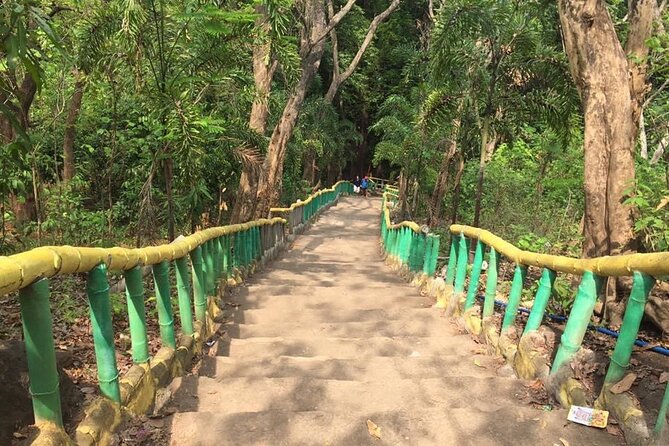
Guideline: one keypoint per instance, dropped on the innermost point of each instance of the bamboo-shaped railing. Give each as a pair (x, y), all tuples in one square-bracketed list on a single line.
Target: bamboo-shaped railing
[(644, 269), (405, 243), (400, 240), (198, 261), (301, 212)]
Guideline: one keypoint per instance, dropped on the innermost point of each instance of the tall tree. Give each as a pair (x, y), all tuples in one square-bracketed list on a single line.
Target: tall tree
[(339, 77), (314, 31), (264, 66), (611, 80)]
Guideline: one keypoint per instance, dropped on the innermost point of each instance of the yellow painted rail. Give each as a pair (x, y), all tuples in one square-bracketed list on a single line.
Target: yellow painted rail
[(653, 264), (20, 270), (312, 197), (389, 197)]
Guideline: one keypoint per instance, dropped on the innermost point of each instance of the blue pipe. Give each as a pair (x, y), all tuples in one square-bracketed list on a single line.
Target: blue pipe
[(606, 331)]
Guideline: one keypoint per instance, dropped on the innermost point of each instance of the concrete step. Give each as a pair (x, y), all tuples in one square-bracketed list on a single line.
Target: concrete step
[(331, 313), (353, 282), (506, 426), (316, 272), (342, 348), (353, 369), (379, 328), (322, 298), (230, 395)]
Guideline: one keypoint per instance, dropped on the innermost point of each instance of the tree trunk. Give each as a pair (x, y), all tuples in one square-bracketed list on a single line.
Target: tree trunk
[(612, 85), (337, 78), (269, 186), (169, 179), (311, 52), (441, 185), (263, 73), (309, 172), (485, 143), (457, 188), (610, 129), (71, 127)]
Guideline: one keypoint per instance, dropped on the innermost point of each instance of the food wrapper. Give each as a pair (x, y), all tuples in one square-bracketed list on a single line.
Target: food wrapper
[(588, 416)]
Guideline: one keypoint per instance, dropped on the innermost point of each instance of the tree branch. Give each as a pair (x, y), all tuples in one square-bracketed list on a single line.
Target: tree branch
[(334, 21), (371, 32)]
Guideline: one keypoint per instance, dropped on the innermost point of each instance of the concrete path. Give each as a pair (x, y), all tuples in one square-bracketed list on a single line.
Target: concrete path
[(329, 337)]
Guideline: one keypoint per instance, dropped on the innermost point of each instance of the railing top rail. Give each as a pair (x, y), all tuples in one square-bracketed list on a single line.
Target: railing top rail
[(308, 200), (415, 227), (383, 180), (20, 270), (653, 264)]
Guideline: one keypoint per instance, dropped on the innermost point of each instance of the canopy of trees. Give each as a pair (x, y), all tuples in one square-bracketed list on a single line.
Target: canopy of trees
[(131, 121)]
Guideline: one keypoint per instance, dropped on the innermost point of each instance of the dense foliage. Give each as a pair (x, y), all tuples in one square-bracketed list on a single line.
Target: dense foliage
[(160, 133)]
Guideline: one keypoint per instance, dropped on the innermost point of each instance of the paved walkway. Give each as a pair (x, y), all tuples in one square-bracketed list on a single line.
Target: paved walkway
[(329, 337)]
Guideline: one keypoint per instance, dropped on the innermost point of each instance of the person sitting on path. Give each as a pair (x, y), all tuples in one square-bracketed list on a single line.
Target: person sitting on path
[(364, 184)]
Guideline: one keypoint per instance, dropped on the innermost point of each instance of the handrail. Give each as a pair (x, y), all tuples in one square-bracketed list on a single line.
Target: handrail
[(653, 264), (406, 244), (415, 227), (301, 203), (645, 269), (201, 261), (302, 211), (529, 362), (20, 270)]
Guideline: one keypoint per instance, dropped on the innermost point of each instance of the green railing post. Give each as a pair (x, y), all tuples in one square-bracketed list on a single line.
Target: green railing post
[(452, 259), (541, 300), (430, 240), (461, 269), (226, 256), (163, 304), (491, 283), (475, 275), (216, 244), (579, 318), (235, 250), (199, 294), (392, 243), (183, 293), (97, 288), (514, 297), (421, 249), (40, 353), (134, 292), (634, 311), (662, 414), (209, 267)]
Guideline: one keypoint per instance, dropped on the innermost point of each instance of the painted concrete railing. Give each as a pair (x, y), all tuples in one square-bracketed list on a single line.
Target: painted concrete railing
[(301, 212), (415, 253), (405, 244), (201, 263), (644, 269)]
